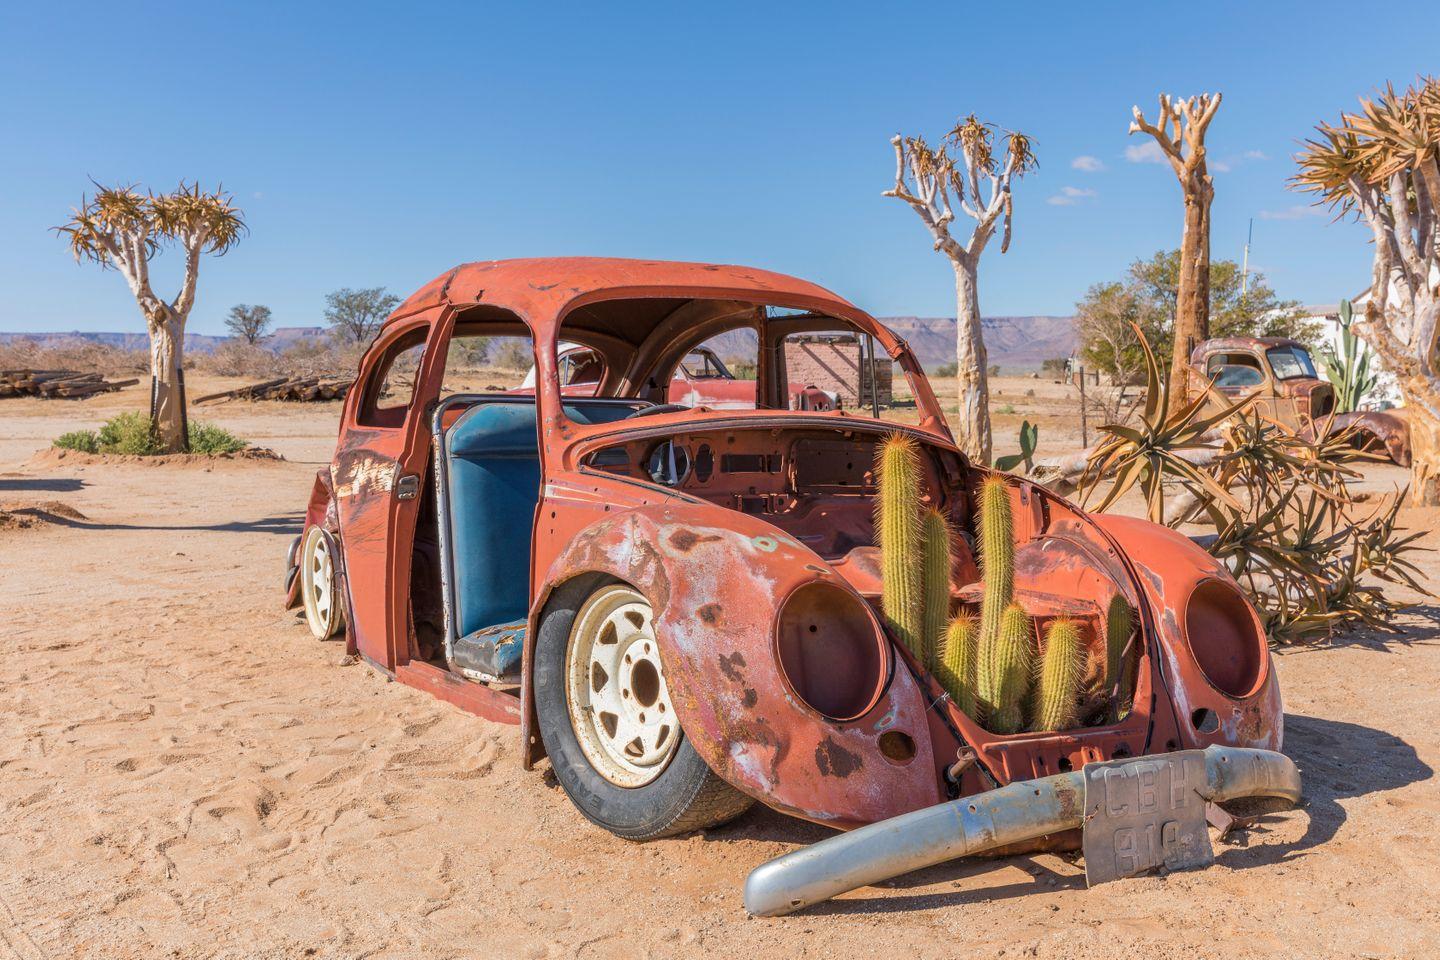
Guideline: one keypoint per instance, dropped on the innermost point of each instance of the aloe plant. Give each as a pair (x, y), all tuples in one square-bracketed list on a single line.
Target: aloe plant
[(1349, 369)]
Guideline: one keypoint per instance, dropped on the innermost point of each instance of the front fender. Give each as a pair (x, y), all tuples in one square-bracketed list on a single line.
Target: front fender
[(1171, 566), (716, 580)]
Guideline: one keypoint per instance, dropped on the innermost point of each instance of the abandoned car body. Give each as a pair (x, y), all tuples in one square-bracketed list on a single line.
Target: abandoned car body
[(1280, 374), (678, 606)]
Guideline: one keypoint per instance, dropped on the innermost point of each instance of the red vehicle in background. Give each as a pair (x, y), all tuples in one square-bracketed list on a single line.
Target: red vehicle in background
[(700, 380)]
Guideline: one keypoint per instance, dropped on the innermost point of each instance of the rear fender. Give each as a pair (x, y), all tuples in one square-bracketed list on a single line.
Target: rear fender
[(1171, 567), (716, 579)]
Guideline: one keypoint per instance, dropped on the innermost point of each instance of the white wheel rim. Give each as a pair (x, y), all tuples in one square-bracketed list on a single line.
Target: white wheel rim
[(615, 689), (317, 584)]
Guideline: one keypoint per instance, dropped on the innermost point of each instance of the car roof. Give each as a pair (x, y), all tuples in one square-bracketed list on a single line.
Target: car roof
[(543, 288), (1221, 344)]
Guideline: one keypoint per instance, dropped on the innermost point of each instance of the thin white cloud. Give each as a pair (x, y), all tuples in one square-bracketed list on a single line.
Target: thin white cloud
[(1297, 212), (1255, 155), (1087, 164), (1220, 166), (1069, 196), (1147, 152)]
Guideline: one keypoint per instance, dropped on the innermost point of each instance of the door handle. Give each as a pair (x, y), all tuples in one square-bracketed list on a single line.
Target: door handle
[(407, 487)]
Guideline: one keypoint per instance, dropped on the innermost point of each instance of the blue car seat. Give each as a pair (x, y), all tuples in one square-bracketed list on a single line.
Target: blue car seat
[(491, 460)]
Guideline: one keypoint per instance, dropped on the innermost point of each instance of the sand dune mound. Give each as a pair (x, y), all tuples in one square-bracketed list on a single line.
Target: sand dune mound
[(55, 456), (19, 515)]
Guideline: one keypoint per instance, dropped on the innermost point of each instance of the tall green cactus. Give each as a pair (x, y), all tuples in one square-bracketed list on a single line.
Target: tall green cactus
[(1349, 370), (1057, 694), (997, 569), (897, 518), (1005, 678), (935, 585), (1120, 656), (958, 655)]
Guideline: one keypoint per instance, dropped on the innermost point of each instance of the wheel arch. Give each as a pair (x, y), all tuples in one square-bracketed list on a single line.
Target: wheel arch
[(1172, 570), (716, 580)]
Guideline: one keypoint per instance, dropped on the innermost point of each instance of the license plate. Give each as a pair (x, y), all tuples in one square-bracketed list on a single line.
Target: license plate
[(1145, 814)]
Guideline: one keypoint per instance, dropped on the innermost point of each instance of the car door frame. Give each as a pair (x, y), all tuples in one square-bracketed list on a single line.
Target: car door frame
[(371, 474)]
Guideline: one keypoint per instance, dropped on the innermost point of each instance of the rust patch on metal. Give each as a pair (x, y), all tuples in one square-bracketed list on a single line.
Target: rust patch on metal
[(730, 666), (833, 760), (712, 614), (685, 540)]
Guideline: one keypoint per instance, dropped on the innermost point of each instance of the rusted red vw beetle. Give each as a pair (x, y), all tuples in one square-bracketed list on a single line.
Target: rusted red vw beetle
[(678, 605)]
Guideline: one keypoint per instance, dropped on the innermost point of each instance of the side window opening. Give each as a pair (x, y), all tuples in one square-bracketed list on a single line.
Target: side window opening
[(480, 362), (390, 386), (1234, 370)]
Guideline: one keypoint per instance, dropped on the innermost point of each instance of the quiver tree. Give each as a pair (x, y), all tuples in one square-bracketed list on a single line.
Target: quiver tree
[(247, 322), (936, 181), (122, 229), (1383, 165), (1180, 132)]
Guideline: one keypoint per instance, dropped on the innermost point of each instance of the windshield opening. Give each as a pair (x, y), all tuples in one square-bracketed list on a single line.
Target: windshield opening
[(1290, 362)]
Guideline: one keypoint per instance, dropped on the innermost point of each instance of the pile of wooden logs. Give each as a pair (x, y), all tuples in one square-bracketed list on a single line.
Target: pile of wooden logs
[(286, 388), (56, 383)]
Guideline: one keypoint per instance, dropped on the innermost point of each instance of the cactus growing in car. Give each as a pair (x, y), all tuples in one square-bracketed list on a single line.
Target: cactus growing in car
[(1058, 687), (957, 670), (1119, 656), (1005, 672), (997, 570), (935, 585), (897, 521)]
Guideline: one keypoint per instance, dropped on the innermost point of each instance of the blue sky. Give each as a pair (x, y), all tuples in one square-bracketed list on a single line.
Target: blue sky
[(380, 144)]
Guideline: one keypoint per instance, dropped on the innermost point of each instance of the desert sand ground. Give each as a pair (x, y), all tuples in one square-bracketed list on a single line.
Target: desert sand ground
[(185, 773)]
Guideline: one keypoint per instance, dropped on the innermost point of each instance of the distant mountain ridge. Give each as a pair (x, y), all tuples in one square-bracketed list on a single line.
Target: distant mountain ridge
[(279, 339), (1015, 344)]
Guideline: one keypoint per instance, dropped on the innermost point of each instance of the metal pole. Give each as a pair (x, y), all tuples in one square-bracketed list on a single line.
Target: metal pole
[(874, 390), (1245, 266), (1084, 419)]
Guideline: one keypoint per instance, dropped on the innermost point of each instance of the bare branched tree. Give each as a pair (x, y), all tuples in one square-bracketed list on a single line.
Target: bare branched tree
[(121, 228), (1180, 132), (1383, 165), (248, 323), (934, 182), (356, 315)]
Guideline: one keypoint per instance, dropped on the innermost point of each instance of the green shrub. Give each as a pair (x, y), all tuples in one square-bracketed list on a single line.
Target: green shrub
[(210, 440), (134, 434), (130, 433), (86, 441)]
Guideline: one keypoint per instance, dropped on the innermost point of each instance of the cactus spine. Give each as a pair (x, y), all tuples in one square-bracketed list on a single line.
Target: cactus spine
[(935, 585), (958, 662), (997, 567), (1119, 656), (1058, 692), (1003, 691), (897, 517)]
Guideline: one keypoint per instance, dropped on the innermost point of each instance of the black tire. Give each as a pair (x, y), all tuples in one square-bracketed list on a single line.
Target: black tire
[(687, 796)]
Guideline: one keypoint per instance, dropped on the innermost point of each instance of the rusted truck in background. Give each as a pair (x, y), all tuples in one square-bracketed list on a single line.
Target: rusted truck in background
[(1280, 374), (678, 605)]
